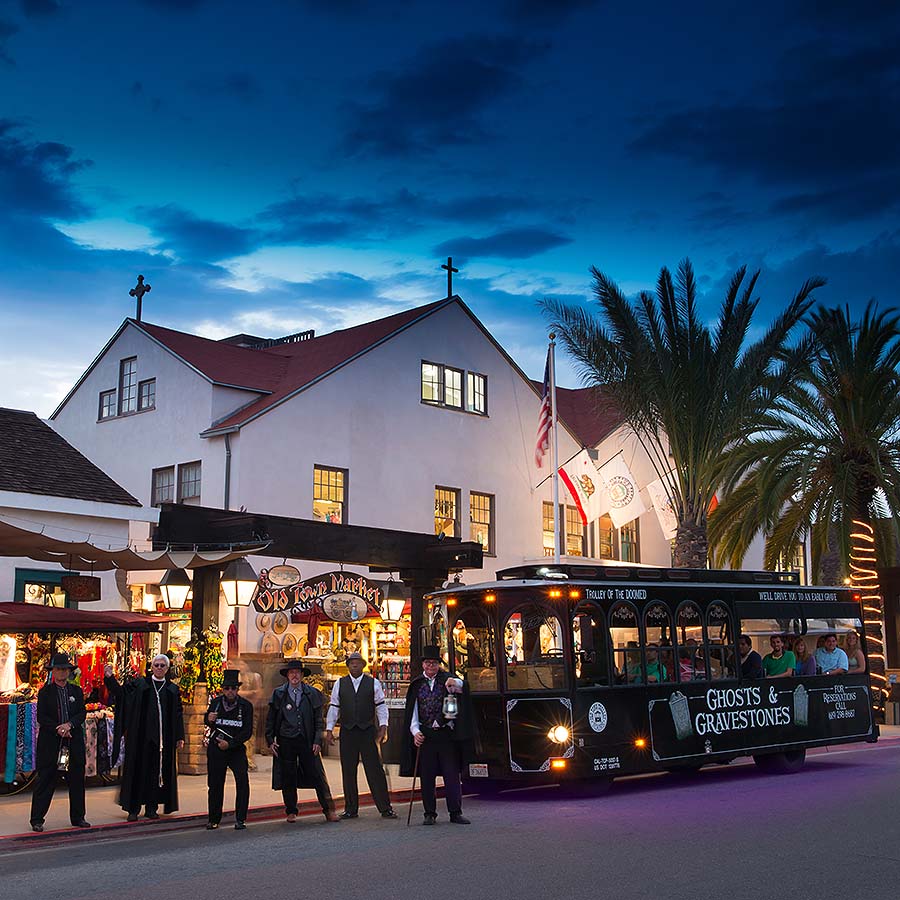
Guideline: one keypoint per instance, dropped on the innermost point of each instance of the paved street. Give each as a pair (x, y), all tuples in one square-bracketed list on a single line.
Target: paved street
[(830, 831)]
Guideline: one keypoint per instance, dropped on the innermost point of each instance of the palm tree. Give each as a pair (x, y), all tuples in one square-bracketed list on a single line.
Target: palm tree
[(826, 463), (686, 391)]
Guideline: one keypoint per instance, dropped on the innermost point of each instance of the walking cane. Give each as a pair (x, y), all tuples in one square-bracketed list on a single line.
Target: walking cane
[(412, 795)]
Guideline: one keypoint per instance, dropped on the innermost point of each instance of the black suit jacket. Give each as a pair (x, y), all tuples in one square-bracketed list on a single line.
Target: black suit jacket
[(48, 741)]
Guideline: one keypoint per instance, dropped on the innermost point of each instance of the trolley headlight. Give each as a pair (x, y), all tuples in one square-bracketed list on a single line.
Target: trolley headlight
[(559, 734)]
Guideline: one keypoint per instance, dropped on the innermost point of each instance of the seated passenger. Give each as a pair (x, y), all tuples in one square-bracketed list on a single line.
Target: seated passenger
[(780, 662), (751, 661), (806, 662), (656, 671), (830, 659), (856, 659), (685, 664)]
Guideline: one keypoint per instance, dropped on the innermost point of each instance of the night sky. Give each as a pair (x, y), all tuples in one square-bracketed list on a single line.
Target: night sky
[(281, 165)]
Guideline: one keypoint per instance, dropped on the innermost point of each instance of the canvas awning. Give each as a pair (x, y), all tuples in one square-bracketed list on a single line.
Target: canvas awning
[(81, 551), (23, 618)]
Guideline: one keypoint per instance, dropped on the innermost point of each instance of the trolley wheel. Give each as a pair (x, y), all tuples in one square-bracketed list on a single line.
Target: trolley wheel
[(781, 763), (22, 782)]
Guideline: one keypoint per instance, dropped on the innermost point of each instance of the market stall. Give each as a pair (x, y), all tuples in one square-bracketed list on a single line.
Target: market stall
[(29, 634)]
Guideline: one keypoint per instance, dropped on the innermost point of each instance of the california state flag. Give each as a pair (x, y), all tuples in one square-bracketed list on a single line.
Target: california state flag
[(580, 477), (620, 491)]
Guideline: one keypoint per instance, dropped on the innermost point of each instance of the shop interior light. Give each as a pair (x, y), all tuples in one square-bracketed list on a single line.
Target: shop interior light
[(559, 734), (394, 601), (175, 587), (239, 581)]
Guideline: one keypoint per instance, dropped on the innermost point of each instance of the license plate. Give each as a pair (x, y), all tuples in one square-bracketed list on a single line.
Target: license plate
[(478, 770)]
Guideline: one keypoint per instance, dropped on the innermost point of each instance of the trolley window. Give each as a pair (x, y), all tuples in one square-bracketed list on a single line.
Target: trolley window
[(659, 656), (625, 637), (589, 641), (533, 638), (689, 640), (719, 642), (473, 650)]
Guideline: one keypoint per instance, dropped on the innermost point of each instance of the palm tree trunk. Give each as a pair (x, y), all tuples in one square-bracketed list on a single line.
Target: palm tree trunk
[(691, 546), (864, 578)]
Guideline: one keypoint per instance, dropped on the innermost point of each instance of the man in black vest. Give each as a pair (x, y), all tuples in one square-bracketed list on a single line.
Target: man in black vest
[(230, 720), (61, 715), (358, 699), (294, 733)]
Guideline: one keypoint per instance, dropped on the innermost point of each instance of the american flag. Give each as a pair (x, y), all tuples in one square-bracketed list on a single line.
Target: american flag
[(542, 446)]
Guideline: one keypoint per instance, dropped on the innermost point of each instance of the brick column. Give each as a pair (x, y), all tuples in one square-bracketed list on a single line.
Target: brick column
[(192, 760)]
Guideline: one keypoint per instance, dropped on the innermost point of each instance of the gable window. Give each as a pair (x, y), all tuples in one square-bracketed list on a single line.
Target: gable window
[(481, 521), (128, 385), (432, 379), (446, 511), (163, 486), (147, 394), (189, 482), (107, 404), (476, 393), (453, 387), (329, 494)]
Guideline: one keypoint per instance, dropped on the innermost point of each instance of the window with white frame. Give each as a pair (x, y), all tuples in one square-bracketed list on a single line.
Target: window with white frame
[(481, 521), (147, 394), (128, 386), (163, 486), (572, 539), (446, 511), (107, 405), (329, 494), (453, 388), (476, 393), (189, 482)]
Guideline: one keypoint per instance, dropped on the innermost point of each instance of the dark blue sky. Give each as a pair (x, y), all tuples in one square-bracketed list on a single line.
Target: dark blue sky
[(288, 164)]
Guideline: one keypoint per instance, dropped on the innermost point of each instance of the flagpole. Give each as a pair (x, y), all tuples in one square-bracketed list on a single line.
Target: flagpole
[(554, 449)]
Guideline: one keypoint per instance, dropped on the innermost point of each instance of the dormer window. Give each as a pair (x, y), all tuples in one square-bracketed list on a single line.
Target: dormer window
[(454, 388)]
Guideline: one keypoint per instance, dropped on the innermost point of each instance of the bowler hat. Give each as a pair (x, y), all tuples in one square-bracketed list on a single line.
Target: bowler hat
[(59, 661), (431, 651), (295, 664), (356, 655), (231, 678)]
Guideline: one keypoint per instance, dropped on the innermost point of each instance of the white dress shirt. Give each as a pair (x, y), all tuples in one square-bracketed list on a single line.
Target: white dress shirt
[(381, 710), (414, 727)]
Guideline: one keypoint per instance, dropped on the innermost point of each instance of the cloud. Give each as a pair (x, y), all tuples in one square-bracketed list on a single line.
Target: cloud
[(437, 99), (516, 243), (191, 238), (138, 93)]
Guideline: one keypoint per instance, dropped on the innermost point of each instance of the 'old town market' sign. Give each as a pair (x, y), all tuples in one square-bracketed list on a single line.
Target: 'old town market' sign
[(342, 596)]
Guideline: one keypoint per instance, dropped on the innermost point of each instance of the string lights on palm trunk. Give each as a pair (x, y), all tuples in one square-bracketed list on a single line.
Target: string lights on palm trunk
[(864, 577)]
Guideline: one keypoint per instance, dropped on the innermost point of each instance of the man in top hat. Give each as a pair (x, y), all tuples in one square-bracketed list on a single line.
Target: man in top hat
[(438, 743), (358, 700), (230, 720), (61, 715), (150, 716), (294, 732)]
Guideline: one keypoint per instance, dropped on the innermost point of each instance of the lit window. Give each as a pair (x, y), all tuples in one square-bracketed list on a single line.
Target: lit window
[(481, 520), (147, 394), (107, 404), (476, 393), (446, 511), (128, 385), (163, 486), (629, 543), (574, 533), (606, 532), (453, 387), (329, 494), (189, 482), (431, 382)]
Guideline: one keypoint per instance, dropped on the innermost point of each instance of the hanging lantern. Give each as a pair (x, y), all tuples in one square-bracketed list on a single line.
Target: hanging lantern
[(175, 587), (394, 601), (239, 582)]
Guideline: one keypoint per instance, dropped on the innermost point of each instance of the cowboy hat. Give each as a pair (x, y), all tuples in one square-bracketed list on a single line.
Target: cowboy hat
[(59, 661), (295, 664)]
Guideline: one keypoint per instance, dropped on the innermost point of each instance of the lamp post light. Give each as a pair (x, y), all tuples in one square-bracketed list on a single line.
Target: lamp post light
[(394, 601), (239, 582), (175, 587)]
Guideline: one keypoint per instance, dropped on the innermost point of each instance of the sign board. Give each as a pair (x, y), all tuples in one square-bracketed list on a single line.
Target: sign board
[(282, 576), (342, 596), (81, 588)]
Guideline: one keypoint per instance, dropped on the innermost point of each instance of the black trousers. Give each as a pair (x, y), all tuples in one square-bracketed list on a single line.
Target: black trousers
[(439, 755), (356, 743), (46, 785), (218, 762), (290, 752)]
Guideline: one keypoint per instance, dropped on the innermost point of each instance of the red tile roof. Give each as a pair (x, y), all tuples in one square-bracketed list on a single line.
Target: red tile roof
[(587, 411), (284, 369)]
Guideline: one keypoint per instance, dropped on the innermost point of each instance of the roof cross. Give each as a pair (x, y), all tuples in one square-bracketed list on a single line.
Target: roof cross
[(450, 271), (138, 292)]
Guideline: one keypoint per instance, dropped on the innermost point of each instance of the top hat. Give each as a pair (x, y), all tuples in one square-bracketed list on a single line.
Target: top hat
[(431, 651), (59, 661), (231, 678), (295, 664), (355, 655)]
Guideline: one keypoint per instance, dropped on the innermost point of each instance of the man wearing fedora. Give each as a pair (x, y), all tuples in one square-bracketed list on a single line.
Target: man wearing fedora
[(358, 700), (294, 733), (230, 720), (439, 744), (60, 743)]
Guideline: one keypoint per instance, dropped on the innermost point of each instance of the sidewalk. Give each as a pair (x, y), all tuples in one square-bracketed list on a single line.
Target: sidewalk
[(264, 802)]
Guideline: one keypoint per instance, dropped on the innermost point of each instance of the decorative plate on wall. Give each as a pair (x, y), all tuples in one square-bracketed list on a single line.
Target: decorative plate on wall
[(263, 621), (288, 645), (280, 623), (270, 644)]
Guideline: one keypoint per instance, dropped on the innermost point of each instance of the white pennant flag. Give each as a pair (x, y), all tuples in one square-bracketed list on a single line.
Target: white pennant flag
[(665, 510), (621, 492), (580, 476)]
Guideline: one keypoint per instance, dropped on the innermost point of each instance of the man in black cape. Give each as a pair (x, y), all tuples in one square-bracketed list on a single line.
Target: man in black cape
[(60, 715), (295, 732), (443, 745), (150, 717)]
